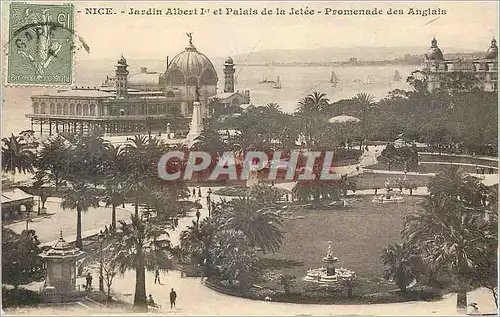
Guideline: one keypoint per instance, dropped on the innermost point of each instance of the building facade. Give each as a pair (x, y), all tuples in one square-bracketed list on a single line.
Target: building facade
[(127, 104), (485, 69)]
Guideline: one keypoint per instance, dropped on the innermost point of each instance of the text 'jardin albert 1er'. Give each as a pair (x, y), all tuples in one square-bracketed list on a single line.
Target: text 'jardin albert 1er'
[(249, 11)]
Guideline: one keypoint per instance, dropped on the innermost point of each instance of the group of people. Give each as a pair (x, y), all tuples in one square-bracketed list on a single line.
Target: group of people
[(173, 298)]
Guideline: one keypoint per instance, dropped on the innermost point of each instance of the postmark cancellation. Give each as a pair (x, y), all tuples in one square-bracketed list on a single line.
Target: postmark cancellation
[(40, 46)]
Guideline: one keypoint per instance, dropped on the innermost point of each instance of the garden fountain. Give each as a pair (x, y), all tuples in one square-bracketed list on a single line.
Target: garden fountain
[(391, 196), (328, 274)]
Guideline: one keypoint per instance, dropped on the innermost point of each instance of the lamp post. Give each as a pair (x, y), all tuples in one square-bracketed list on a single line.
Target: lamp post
[(100, 237)]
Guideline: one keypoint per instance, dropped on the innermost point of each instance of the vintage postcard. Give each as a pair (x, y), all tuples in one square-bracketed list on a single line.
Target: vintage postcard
[(249, 158)]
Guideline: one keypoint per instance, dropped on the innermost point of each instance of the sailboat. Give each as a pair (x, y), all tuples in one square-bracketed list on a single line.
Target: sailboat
[(334, 79), (396, 76), (368, 81), (277, 83), (266, 81)]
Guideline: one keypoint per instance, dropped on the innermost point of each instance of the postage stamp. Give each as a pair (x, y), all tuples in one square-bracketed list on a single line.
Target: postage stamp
[(40, 44)]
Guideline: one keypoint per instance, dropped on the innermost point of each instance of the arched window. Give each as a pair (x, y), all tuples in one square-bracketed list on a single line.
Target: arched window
[(59, 108), (235, 102), (52, 108), (79, 110), (122, 112), (72, 109), (176, 78), (43, 108), (85, 110), (65, 108), (36, 108), (92, 110), (208, 78), (170, 94)]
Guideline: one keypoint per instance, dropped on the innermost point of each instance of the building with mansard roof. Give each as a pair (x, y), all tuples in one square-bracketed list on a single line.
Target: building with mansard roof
[(436, 68)]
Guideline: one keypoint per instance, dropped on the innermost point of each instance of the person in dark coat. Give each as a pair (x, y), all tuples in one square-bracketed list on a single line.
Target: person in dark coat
[(88, 279), (194, 192), (157, 276), (173, 297), (198, 215)]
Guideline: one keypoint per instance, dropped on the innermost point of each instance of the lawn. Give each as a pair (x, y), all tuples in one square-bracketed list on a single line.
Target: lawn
[(424, 157), (358, 236), (369, 180)]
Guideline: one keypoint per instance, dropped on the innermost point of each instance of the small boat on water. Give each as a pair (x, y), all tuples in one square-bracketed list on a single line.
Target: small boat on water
[(266, 81), (277, 83), (368, 81), (334, 79), (396, 76)]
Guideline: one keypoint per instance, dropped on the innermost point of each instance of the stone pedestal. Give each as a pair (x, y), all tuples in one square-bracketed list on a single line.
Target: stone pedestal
[(196, 126)]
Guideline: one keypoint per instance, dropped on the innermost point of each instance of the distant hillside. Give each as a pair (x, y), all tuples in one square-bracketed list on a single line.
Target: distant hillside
[(326, 55)]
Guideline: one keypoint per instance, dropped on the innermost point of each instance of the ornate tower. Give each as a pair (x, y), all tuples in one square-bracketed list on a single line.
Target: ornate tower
[(121, 74), (229, 75)]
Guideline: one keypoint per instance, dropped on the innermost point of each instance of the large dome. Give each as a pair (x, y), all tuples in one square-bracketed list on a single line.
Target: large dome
[(191, 68), (492, 52), (434, 52)]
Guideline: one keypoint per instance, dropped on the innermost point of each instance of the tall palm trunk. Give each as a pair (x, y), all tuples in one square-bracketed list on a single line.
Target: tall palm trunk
[(462, 298), (140, 282), (79, 243), (113, 217)]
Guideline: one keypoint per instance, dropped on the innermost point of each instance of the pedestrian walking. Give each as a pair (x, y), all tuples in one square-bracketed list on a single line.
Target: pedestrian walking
[(157, 276), (176, 222), (88, 285), (194, 192), (210, 191), (173, 297), (198, 215), (199, 192)]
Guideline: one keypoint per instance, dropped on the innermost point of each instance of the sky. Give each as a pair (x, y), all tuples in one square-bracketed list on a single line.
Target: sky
[(466, 25)]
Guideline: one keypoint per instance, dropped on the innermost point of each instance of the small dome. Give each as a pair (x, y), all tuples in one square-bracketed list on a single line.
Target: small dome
[(191, 68), (434, 52), (492, 52), (229, 60), (343, 119), (122, 61)]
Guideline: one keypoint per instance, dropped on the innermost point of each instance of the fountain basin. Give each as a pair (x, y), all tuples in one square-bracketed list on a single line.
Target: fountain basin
[(383, 199), (320, 275)]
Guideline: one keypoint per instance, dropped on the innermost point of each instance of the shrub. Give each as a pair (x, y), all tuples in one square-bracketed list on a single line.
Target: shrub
[(423, 292), (381, 298), (19, 296)]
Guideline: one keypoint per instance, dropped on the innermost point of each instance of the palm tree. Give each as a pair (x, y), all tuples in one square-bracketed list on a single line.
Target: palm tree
[(366, 103), (53, 160), (196, 239), (262, 226), (402, 264), (313, 103), (139, 164), (452, 237), (114, 196), (89, 155), (274, 106), (16, 156), (140, 247), (80, 197), (287, 281)]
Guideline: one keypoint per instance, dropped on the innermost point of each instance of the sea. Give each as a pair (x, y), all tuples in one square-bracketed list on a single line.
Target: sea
[(297, 82)]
